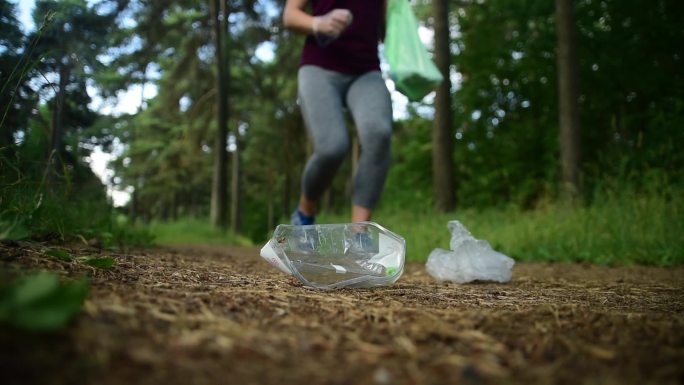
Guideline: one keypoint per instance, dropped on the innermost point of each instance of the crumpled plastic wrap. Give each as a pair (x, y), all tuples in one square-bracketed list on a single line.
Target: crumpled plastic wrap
[(469, 259)]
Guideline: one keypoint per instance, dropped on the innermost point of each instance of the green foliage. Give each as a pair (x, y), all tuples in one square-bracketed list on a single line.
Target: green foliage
[(506, 147), (16, 99), (621, 229), (59, 254), (99, 262), (194, 231), (26, 213), (624, 225), (507, 119), (171, 145), (409, 183), (505, 124), (41, 302), (37, 201)]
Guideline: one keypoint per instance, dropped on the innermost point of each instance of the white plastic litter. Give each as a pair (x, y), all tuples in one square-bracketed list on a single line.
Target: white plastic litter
[(469, 259)]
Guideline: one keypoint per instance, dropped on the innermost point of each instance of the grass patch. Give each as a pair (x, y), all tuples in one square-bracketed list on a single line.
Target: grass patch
[(194, 231), (64, 215), (629, 228)]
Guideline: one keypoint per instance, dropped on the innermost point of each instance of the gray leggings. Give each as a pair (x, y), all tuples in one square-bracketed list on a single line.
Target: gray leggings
[(323, 95)]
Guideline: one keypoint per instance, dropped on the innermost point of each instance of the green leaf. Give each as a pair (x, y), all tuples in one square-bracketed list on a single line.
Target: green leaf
[(13, 231), (102, 263), (41, 302), (34, 288), (59, 254)]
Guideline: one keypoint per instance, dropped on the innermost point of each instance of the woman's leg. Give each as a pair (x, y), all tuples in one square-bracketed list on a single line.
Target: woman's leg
[(321, 99), (371, 107)]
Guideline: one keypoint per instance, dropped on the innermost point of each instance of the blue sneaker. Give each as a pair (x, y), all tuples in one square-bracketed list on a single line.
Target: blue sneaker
[(306, 239), (299, 219)]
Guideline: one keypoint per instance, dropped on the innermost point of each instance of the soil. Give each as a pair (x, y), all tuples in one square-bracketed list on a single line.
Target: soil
[(217, 315)]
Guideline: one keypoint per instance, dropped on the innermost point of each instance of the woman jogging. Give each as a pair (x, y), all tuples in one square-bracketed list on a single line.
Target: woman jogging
[(340, 70)]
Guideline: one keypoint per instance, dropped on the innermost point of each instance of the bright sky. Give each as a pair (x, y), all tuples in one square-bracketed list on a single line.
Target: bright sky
[(129, 102), (25, 7)]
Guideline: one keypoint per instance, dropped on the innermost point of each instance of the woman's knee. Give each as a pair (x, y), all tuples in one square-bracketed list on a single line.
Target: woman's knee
[(377, 135), (332, 154)]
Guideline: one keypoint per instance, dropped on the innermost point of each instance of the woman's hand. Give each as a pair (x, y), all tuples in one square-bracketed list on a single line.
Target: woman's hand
[(332, 23), (325, 28)]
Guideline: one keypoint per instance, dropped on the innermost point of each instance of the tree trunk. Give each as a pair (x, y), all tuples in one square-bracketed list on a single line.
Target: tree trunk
[(235, 188), (219, 191), (442, 136), (568, 92), (236, 169)]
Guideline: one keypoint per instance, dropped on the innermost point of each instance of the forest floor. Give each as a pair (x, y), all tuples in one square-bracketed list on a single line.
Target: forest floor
[(211, 315)]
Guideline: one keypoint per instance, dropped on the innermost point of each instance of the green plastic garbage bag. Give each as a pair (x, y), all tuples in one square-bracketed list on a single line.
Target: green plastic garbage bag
[(411, 69)]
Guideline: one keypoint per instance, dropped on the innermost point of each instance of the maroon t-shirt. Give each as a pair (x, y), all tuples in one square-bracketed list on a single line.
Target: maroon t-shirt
[(356, 50)]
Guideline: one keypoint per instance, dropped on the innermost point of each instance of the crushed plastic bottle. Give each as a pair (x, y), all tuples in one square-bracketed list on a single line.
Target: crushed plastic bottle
[(469, 259), (329, 256)]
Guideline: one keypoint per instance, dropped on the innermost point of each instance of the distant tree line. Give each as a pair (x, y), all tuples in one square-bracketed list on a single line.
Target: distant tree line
[(548, 100)]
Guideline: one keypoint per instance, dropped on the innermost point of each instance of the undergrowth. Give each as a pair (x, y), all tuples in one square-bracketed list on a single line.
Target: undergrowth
[(621, 226), (62, 214), (194, 231)]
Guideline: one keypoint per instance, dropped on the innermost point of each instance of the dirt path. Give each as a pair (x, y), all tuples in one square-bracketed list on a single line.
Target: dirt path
[(208, 315)]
